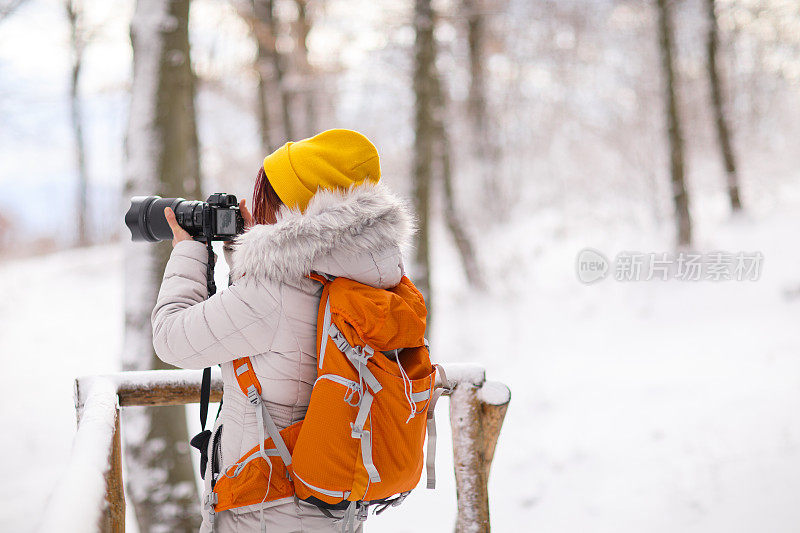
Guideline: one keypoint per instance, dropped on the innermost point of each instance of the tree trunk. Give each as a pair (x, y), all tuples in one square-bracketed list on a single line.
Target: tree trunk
[(432, 154), (476, 99), (262, 67), (424, 137), (454, 223), (265, 28), (302, 29), (161, 158), (674, 133), (717, 97), (77, 45), (8, 8), (485, 151)]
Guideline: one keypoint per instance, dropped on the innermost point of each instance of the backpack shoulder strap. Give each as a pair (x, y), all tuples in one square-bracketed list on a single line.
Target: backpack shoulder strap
[(246, 376), (251, 388), (318, 277)]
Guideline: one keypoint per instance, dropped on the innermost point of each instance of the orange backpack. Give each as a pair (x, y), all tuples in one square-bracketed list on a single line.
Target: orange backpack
[(361, 442)]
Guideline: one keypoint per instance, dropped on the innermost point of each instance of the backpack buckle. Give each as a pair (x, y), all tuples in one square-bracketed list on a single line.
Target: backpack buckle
[(361, 354), (351, 392), (253, 396), (210, 500), (361, 511)]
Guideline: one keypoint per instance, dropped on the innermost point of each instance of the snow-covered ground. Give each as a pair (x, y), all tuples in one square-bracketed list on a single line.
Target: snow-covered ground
[(640, 406)]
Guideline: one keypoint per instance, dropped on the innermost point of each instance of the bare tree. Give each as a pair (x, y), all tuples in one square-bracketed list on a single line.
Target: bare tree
[(270, 67), (454, 222), (432, 153), (266, 29), (717, 98), (161, 158), (77, 39), (262, 68), (302, 28), (476, 29), (8, 7), (424, 82), (485, 153), (674, 132)]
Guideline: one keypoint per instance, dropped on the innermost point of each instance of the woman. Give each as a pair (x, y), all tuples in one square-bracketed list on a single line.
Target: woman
[(317, 207)]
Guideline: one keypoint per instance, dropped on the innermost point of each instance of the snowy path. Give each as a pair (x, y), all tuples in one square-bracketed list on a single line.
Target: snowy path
[(60, 317), (657, 407)]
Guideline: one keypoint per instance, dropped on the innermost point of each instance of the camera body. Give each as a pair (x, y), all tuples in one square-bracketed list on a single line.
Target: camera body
[(217, 219)]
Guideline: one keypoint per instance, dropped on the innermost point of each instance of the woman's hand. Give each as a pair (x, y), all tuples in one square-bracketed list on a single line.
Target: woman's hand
[(249, 222), (178, 233)]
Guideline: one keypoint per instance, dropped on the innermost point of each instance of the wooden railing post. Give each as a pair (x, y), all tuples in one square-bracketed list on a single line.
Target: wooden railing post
[(113, 518), (477, 410)]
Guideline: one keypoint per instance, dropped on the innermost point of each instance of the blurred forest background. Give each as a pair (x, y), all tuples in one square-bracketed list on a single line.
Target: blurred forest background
[(546, 106), (521, 131)]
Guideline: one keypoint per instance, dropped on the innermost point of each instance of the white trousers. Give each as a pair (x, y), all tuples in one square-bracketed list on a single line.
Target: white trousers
[(288, 517)]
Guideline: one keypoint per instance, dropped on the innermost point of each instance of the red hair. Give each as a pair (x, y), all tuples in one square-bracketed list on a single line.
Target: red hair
[(266, 202)]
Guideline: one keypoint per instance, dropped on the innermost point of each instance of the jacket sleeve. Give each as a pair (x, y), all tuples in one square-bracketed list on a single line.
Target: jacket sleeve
[(190, 331)]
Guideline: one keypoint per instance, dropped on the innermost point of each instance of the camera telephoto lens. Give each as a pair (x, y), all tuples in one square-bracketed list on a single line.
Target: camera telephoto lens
[(146, 219)]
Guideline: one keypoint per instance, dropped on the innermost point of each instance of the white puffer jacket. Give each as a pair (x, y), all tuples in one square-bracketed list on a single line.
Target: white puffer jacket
[(270, 312)]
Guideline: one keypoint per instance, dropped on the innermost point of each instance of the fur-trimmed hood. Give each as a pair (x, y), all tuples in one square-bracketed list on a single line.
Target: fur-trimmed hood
[(356, 233)]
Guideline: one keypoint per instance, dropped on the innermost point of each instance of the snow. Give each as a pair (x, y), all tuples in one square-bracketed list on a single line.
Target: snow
[(158, 378), (465, 373), (60, 317), (657, 406), (72, 506), (494, 393)]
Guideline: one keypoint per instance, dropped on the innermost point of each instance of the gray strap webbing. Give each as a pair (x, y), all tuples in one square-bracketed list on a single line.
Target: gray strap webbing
[(255, 400), (265, 421), (349, 518), (370, 378), (366, 437), (332, 493), (270, 452), (363, 412), (355, 358), (445, 383), (209, 502), (366, 457), (420, 396), (430, 459), (275, 435), (326, 323), (349, 383)]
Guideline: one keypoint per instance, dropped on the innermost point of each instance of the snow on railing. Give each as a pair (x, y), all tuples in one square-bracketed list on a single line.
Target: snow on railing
[(90, 496)]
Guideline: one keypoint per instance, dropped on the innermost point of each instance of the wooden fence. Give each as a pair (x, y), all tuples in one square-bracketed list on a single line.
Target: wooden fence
[(477, 409)]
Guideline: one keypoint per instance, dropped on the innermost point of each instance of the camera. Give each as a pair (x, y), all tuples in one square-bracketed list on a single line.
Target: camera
[(216, 219)]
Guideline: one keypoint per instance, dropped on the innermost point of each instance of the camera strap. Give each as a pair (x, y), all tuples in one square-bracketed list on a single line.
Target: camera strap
[(201, 440)]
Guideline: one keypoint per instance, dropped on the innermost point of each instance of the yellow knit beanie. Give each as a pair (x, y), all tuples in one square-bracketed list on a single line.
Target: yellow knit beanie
[(329, 160)]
